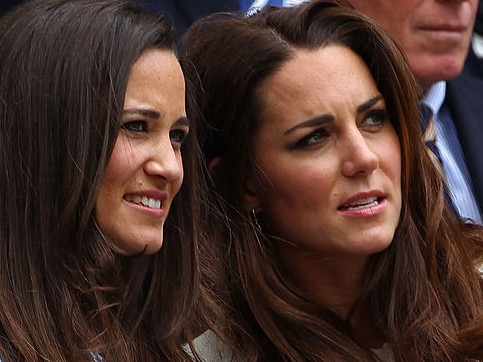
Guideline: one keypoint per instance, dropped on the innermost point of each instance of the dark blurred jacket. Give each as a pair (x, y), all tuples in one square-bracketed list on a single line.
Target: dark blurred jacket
[(184, 12), (6, 5), (474, 63), (464, 97)]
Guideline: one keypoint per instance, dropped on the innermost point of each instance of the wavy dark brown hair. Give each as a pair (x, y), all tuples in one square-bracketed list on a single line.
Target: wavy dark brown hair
[(423, 292), (64, 293)]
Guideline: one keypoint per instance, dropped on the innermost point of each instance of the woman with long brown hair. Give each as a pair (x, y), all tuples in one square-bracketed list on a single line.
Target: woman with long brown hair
[(95, 153), (342, 246)]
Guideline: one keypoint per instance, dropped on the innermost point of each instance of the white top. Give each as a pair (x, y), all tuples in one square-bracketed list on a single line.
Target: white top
[(211, 349)]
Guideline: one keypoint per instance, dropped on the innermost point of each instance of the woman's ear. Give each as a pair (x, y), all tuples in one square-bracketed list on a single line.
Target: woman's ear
[(251, 196), (252, 199)]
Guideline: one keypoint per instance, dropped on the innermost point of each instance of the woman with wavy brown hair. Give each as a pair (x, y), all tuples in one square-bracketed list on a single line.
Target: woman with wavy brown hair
[(342, 246), (95, 153)]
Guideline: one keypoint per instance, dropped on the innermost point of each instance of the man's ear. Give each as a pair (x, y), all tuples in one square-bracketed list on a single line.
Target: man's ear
[(252, 199)]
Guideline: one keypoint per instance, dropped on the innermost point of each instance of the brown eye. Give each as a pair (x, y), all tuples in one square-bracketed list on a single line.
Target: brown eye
[(316, 137), (374, 119), (135, 126), (178, 136)]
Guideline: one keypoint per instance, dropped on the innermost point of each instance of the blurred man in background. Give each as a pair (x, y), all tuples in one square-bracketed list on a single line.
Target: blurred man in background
[(435, 36)]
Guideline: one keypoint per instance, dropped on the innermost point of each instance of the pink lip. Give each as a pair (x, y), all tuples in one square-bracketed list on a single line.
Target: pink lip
[(154, 194), (447, 28), (364, 211), (363, 195), (450, 28)]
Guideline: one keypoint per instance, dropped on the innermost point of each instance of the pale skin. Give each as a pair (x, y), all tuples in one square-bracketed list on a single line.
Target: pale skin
[(145, 171), (332, 162), (435, 35)]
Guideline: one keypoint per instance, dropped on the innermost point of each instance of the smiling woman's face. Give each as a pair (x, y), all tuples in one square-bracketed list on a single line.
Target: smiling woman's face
[(145, 170), (330, 155)]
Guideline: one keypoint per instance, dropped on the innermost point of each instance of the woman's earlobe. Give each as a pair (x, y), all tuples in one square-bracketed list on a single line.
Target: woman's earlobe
[(251, 197)]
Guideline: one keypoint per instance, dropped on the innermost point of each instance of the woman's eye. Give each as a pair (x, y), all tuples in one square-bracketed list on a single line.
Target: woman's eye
[(135, 126), (375, 119), (178, 136), (315, 138)]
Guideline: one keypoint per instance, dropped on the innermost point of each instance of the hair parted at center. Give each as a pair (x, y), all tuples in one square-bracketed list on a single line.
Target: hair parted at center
[(423, 290)]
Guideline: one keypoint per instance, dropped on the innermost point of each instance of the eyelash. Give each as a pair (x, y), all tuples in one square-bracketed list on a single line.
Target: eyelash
[(306, 141), (177, 136), (131, 126), (379, 117)]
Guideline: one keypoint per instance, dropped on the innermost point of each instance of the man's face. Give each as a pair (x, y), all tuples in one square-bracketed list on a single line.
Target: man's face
[(434, 34)]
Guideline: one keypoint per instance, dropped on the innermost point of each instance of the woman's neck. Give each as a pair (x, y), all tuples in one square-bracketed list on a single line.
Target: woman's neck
[(334, 282)]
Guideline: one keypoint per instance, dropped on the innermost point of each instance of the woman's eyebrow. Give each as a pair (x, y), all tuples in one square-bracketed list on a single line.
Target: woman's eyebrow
[(149, 113), (369, 103), (183, 121), (316, 121), (320, 120)]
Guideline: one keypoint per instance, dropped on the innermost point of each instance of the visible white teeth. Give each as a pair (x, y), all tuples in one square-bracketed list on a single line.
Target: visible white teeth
[(145, 201), (154, 204), (362, 203)]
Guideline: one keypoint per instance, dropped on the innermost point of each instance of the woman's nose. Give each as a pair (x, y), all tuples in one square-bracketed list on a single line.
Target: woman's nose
[(358, 157), (164, 162)]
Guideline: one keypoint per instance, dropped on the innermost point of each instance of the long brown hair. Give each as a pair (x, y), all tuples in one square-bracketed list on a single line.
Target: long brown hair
[(64, 293), (422, 290)]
